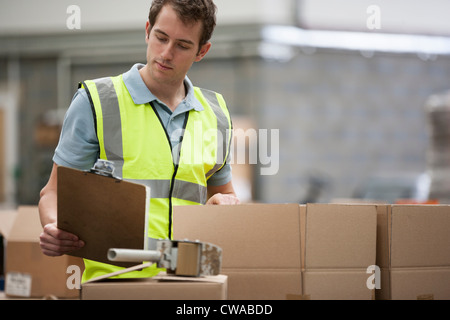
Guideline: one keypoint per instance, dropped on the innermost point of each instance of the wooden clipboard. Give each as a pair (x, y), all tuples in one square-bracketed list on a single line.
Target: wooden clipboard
[(104, 212)]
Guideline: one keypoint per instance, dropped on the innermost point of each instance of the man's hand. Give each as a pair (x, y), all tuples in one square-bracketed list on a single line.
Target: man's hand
[(223, 199), (55, 242)]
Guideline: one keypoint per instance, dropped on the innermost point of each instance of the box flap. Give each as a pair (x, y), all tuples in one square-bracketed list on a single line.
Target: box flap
[(6, 221), (420, 236), (340, 236), (251, 235), (26, 225)]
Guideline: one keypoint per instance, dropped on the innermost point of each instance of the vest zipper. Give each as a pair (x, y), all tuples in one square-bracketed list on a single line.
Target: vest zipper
[(172, 182)]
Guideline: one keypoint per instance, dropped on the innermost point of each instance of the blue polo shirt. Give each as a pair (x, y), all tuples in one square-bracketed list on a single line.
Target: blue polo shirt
[(78, 145)]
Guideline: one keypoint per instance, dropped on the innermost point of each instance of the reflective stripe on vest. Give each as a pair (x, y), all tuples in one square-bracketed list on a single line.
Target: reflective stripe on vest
[(115, 116)]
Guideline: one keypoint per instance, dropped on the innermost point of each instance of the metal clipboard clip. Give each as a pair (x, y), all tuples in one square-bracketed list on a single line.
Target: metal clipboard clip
[(104, 168)]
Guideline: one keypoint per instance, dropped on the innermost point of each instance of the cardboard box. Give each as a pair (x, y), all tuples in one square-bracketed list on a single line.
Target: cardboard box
[(287, 251), (419, 252), (340, 246), (412, 252), (260, 242), (6, 220), (157, 288), (28, 272)]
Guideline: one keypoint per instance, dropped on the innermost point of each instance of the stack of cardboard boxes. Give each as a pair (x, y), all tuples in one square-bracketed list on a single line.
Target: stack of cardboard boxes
[(270, 252), (287, 251), (327, 251), (28, 272)]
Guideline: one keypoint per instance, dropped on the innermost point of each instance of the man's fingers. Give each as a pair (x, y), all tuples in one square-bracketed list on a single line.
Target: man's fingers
[(223, 199), (58, 247), (50, 240), (55, 242), (52, 230)]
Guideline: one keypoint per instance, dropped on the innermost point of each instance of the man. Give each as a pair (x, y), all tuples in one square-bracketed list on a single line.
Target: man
[(146, 121)]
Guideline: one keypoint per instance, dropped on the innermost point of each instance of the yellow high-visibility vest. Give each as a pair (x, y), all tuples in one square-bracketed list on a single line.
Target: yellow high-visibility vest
[(133, 137)]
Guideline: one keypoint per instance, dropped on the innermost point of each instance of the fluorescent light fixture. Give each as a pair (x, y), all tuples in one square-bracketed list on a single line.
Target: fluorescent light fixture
[(361, 41)]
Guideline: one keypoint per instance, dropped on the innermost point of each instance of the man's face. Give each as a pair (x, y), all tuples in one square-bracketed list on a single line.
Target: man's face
[(172, 47)]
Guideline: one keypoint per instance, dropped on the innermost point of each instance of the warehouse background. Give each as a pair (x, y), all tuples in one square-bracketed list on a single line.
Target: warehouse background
[(349, 105)]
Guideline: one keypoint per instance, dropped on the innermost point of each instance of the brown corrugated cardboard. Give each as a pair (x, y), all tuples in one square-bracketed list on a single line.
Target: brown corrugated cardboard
[(419, 252), (340, 246), (420, 236), (158, 288), (263, 284), (340, 236), (260, 242), (383, 244), (336, 284), (250, 235), (264, 246), (420, 283), (29, 273)]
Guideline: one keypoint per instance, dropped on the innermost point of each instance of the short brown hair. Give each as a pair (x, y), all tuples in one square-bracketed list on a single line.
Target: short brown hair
[(189, 11)]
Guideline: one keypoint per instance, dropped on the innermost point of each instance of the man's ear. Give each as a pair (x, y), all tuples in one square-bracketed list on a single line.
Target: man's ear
[(203, 51), (147, 31)]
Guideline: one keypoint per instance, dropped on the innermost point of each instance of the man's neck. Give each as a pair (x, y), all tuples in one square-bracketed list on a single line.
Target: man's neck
[(170, 94)]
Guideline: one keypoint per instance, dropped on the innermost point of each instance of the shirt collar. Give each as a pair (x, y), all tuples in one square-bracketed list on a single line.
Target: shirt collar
[(142, 95)]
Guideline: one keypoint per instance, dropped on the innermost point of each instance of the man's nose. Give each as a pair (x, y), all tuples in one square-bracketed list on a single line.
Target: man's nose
[(167, 53)]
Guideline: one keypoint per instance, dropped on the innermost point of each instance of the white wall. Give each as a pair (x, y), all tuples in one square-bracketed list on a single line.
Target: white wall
[(419, 16), (25, 16)]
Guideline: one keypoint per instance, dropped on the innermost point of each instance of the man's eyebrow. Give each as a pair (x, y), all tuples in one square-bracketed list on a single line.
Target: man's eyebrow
[(181, 40)]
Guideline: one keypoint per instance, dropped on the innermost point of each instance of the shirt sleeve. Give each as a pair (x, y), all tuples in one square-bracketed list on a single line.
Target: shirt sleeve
[(78, 146), (221, 177)]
